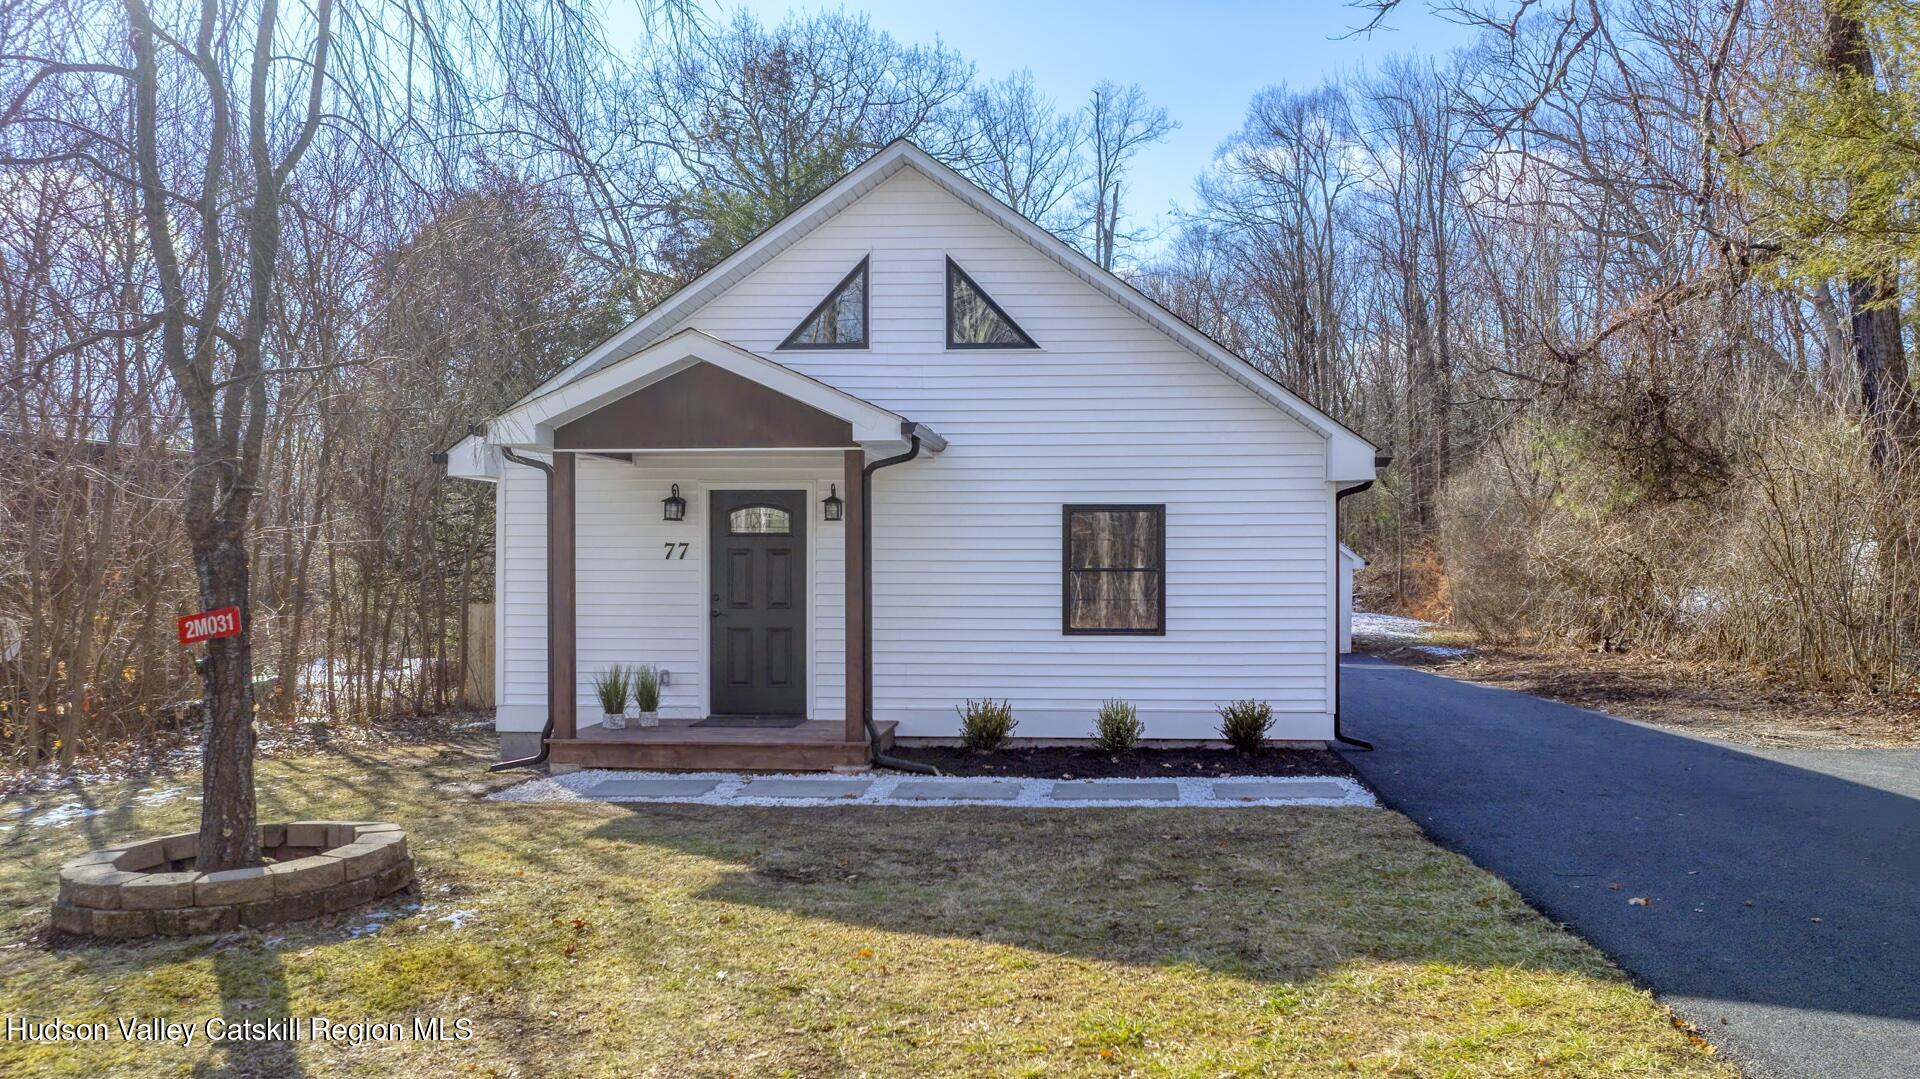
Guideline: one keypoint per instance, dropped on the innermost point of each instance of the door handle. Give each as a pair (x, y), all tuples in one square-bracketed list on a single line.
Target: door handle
[(716, 614)]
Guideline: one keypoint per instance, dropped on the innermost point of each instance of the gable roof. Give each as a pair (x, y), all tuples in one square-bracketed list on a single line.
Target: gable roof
[(1350, 457), (532, 422)]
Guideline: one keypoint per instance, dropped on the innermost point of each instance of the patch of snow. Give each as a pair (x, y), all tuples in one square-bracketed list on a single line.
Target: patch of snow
[(48, 777), (458, 919), (1697, 601), (1401, 630), (1033, 794), (68, 812), (315, 671), (65, 814), (375, 921), (372, 924), (1391, 627), (1863, 558)]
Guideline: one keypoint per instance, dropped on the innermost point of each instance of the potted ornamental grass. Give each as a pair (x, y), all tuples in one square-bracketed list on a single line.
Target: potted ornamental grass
[(613, 686), (646, 694)]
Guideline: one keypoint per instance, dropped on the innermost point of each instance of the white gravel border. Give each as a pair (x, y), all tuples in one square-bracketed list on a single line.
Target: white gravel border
[(1195, 793)]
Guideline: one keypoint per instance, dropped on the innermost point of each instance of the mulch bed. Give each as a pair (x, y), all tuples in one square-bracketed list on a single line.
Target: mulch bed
[(1081, 762)]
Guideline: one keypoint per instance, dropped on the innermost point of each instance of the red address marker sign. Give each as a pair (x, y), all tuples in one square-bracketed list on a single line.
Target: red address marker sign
[(208, 625)]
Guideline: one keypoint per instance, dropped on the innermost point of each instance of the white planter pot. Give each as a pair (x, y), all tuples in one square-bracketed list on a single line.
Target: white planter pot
[(650, 719), (614, 721)]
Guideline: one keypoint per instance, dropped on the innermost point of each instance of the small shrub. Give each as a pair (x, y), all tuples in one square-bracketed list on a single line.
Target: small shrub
[(614, 687), (1118, 727), (1244, 724), (646, 687), (986, 724)]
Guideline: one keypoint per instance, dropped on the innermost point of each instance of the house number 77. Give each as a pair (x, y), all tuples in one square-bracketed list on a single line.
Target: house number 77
[(676, 550)]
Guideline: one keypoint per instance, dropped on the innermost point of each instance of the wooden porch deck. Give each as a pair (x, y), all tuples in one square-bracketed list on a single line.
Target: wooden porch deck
[(677, 745)]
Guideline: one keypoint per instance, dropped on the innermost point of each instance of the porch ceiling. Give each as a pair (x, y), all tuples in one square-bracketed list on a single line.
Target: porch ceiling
[(703, 407)]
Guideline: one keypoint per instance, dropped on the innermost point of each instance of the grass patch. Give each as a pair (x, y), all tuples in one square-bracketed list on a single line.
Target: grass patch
[(600, 940)]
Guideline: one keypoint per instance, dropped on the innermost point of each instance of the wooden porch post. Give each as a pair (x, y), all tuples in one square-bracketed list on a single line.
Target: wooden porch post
[(560, 585), (856, 562)]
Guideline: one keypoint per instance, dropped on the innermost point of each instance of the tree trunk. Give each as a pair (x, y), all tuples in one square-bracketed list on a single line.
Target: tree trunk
[(1426, 415), (1887, 399), (228, 839), (1880, 356)]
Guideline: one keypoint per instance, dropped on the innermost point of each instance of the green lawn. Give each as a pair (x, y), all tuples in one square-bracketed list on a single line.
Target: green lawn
[(610, 941)]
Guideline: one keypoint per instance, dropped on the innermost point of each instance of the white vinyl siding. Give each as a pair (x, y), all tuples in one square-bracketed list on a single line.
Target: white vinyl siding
[(520, 595), (634, 604), (967, 558)]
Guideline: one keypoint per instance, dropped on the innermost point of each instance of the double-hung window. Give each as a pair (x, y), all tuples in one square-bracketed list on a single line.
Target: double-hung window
[(1114, 571)]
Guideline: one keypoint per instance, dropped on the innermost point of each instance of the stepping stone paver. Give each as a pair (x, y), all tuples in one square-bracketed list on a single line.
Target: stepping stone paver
[(1259, 789), (1081, 790), (804, 788), (878, 789), (651, 788), (968, 790)]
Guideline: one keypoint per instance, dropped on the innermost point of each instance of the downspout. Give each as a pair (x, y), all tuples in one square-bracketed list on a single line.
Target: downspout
[(866, 603), (546, 732), (1380, 461)]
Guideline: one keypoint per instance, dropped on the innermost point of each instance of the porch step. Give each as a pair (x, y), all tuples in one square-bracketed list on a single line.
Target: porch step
[(817, 746)]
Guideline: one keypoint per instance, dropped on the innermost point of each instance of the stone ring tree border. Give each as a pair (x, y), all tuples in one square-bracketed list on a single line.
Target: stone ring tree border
[(150, 887)]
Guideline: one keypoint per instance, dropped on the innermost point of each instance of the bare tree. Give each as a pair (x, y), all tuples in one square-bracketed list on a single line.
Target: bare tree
[(1119, 123), (1418, 146), (1614, 286), (1277, 196), (759, 120), (1022, 149), (202, 114)]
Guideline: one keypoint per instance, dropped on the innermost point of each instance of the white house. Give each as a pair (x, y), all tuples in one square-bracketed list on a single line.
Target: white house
[(1350, 563), (907, 410)]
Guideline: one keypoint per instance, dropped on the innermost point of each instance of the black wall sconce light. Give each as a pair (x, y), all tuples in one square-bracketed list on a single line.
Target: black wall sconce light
[(831, 504), (675, 506)]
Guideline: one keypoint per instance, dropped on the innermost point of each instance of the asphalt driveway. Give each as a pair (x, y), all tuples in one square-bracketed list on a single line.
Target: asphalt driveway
[(1783, 887)]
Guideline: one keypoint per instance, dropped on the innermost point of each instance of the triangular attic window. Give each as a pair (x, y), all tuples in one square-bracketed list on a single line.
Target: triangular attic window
[(840, 321), (974, 320)]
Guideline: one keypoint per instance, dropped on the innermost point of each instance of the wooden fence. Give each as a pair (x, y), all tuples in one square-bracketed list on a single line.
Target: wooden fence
[(478, 643)]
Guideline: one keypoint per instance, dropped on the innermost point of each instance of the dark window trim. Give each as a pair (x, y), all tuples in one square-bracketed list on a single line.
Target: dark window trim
[(953, 268), (866, 314), (1159, 511)]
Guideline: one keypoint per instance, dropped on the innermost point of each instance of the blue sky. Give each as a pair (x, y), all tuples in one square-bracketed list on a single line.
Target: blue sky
[(1202, 61)]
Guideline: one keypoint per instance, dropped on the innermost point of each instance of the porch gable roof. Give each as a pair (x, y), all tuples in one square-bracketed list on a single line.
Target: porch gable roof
[(532, 425)]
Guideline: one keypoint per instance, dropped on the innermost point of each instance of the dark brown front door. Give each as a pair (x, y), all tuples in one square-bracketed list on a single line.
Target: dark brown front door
[(759, 608)]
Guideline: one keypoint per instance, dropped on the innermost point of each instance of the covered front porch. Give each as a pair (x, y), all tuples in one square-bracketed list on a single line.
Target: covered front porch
[(683, 745), (706, 514)]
